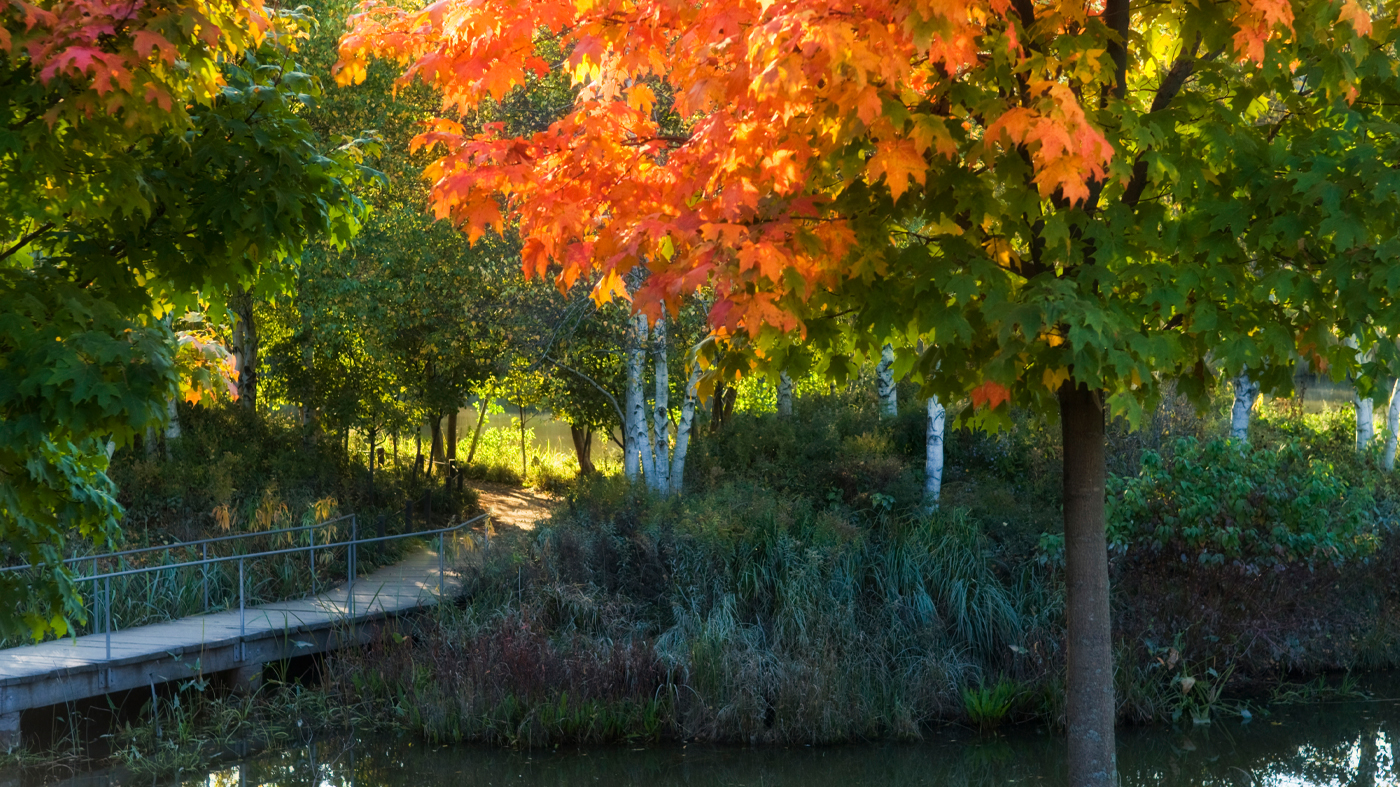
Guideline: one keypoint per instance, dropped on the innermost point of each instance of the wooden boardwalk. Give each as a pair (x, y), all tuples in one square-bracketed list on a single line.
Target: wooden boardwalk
[(60, 671)]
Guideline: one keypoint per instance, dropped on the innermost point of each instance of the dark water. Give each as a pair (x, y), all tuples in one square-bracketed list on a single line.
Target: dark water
[(1333, 744)]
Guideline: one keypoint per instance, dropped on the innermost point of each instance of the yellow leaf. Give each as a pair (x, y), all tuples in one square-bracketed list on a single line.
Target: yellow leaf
[(1053, 378), (898, 161)]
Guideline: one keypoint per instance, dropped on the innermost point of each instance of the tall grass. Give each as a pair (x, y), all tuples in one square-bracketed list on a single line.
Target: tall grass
[(736, 616)]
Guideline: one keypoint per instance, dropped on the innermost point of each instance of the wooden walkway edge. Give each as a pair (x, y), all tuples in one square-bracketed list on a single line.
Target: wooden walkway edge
[(51, 673)]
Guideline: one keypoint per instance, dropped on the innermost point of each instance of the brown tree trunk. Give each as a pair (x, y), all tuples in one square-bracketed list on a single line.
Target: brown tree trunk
[(245, 348), (583, 446), (436, 459), (1090, 708)]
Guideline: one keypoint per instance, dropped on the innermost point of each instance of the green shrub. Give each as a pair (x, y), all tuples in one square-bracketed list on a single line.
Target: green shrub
[(1222, 501)]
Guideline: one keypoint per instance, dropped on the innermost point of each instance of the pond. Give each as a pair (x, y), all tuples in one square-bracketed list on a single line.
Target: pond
[(1342, 744)]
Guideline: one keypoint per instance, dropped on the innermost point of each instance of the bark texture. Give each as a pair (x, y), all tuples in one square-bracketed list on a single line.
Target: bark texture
[(452, 436), (661, 412), (435, 459), (245, 348), (635, 455), (784, 395), (1246, 394), (1090, 709), (583, 448), (933, 453), (884, 382), (1392, 425), (172, 422), (683, 428), (1365, 422)]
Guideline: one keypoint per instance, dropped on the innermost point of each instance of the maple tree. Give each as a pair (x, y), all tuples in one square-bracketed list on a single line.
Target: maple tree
[(1071, 204), (151, 161)]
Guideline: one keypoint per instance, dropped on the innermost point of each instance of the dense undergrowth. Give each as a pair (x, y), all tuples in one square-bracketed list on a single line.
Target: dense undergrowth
[(795, 594)]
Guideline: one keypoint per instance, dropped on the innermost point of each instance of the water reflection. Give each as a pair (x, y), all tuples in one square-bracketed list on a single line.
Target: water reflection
[(1334, 745)]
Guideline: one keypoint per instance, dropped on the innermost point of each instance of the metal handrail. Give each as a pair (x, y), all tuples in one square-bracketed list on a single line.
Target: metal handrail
[(352, 569), (182, 544), (284, 551)]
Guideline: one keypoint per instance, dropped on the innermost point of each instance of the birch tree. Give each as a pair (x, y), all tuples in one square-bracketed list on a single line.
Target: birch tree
[(661, 412), (784, 395), (1246, 394), (933, 453), (634, 463), (884, 383)]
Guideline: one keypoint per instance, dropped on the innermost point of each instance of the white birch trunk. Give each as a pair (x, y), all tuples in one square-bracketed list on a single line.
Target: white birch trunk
[(661, 411), (692, 386), (1392, 426), (1246, 394), (633, 407), (1365, 423), (784, 395), (172, 423), (884, 380), (1365, 408), (638, 441), (933, 453)]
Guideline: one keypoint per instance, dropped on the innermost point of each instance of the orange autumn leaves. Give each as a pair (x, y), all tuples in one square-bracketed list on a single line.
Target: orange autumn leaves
[(774, 97), (779, 108)]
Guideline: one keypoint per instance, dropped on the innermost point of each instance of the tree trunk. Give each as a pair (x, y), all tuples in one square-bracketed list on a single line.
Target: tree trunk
[(172, 424), (436, 458), (884, 381), (933, 453), (636, 457), (418, 453), (524, 462), (583, 448), (661, 412), (1365, 423), (150, 443), (1392, 426), (784, 395), (683, 428), (245, 348), (483, 406), (452, 435), (1246, 394), (1090, 710)]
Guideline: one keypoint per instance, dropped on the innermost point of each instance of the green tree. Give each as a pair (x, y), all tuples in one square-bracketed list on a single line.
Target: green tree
[(143, 171)]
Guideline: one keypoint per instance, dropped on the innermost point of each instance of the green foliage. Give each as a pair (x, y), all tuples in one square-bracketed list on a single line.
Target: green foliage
[(988, 706), (1222, 501), (107, 226), (74, 374)]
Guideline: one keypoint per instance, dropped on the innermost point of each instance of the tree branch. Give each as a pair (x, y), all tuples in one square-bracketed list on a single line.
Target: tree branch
[(24, 241), (611, 399)]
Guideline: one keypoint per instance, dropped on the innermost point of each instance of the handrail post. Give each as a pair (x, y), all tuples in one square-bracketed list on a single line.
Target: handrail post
[(313, 561), (107, 613), (350, 564), (442, 539), (242, 626), (204, 555)]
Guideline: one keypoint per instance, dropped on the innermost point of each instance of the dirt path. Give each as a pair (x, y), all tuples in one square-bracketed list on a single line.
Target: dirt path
[(510, 505)]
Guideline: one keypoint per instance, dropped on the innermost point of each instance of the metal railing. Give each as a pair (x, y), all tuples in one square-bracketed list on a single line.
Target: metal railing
[(352, 564)]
